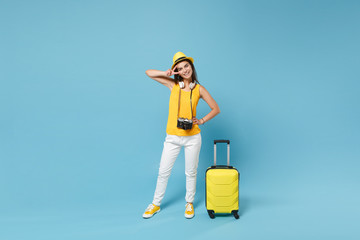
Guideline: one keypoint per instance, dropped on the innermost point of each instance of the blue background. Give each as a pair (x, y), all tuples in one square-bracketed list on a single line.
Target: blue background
[(82, 126)]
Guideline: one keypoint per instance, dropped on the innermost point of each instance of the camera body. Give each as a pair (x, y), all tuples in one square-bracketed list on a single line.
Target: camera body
[(184, 123)]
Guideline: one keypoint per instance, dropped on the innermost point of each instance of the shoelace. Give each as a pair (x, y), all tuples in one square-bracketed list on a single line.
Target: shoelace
[(188, 207), (149, 208)]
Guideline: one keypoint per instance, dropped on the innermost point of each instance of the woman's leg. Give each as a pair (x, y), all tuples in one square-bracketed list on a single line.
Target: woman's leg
[(170, 152), (192, 152)]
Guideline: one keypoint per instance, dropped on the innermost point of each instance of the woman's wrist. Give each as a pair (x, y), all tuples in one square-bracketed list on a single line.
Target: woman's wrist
[(203, 121)]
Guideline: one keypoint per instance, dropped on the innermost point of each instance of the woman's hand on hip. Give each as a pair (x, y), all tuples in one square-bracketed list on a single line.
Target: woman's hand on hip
[(198, 121)]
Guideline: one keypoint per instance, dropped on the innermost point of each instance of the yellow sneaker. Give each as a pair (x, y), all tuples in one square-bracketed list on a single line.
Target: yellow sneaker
[(151, 210), (189, 210)]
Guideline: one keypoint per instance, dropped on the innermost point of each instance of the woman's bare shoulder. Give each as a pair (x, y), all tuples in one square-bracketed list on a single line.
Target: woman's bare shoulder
[(202, 89)]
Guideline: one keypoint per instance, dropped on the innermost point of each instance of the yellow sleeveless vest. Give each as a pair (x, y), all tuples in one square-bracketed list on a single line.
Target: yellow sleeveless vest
[(185, 111)]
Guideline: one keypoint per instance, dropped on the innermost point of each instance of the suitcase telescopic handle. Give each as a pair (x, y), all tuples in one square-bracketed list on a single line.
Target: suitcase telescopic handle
[(228, 150), (221, 141)]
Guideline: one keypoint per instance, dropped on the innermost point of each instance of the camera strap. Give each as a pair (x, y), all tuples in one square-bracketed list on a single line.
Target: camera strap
[(190, 103)]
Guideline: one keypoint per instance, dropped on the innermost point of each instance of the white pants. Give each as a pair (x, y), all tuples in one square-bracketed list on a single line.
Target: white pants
[(172, 147)]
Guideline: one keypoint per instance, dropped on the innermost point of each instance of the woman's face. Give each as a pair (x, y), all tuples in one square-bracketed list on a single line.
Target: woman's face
[(185, 70)]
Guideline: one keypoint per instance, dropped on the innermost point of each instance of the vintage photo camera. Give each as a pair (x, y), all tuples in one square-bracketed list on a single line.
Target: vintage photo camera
[(184, 123)]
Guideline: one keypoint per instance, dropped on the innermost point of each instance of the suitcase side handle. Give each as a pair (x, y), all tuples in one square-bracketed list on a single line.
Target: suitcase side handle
[(228, 150)]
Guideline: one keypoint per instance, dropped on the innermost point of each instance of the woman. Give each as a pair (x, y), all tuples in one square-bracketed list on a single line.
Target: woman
[(182, 127)]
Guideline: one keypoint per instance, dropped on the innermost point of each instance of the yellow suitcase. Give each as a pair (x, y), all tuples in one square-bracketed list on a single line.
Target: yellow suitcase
[(222, 186)]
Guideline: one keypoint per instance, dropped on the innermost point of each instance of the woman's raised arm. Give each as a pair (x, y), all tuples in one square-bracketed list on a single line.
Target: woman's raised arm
[(162, 77)]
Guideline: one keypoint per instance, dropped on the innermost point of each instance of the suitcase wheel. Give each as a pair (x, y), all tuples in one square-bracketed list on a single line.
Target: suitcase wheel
[(236, 215), (211, 214)]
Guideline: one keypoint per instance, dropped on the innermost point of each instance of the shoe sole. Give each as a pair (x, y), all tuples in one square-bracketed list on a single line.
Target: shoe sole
[(146, 216), (189, 216)]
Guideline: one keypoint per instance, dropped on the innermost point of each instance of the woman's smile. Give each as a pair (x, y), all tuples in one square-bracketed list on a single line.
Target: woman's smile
[(187, 74)]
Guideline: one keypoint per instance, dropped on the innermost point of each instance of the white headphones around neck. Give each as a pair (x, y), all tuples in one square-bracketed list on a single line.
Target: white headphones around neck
[(191, 85)]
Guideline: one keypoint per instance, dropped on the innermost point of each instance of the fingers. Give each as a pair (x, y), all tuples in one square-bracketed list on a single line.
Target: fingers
[(197, 121), (173, 70), (170, 72)]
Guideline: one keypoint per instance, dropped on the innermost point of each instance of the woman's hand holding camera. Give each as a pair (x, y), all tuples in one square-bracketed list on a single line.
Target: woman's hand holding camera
[(198, 121)]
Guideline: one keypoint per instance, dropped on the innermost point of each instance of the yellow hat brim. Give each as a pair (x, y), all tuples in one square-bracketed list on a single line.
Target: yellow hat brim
[(182, 59)]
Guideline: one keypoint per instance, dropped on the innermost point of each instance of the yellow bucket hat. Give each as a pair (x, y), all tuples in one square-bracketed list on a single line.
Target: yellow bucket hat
[(178, 57)]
